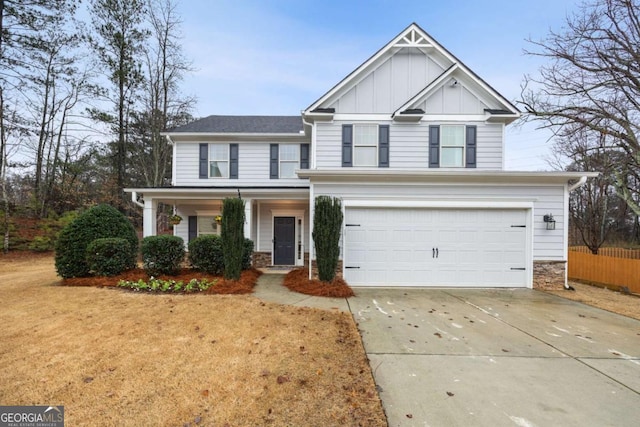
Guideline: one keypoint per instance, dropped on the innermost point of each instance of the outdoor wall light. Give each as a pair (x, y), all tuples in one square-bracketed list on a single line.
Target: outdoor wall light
[(550, 221)]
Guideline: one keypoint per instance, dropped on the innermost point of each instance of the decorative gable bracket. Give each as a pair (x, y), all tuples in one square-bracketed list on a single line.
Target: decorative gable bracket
[(413, 39)]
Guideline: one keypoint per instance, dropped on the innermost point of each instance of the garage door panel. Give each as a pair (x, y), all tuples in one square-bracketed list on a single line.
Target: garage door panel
[(475, 247)]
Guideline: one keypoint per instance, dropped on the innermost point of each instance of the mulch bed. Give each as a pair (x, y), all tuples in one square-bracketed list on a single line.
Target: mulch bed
[(245, 285), (298, 281)]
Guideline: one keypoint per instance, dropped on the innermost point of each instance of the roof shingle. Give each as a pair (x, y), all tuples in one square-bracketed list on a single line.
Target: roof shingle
[(243, 124)]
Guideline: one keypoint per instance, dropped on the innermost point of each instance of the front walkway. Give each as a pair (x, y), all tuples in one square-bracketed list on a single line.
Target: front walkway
[(270, 288), (488, 357)]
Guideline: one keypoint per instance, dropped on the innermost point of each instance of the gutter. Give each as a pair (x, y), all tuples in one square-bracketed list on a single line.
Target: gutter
[(580, 183)]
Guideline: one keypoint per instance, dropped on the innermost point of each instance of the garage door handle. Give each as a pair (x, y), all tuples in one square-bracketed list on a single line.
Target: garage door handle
[(350, 267)]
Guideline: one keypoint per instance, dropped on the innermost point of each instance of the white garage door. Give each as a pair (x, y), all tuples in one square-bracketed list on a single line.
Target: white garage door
[(435, 247)]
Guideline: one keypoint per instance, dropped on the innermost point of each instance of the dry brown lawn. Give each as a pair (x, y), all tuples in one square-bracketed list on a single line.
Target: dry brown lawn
[(607, 299), (113, 357)]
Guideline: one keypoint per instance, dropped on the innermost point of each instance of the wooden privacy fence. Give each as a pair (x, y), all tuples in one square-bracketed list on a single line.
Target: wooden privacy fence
[(614, 252), (606, 270)]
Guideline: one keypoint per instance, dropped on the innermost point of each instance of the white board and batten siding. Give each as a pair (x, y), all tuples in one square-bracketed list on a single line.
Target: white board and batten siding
[(391, 84), (409, 145), (253, 167)]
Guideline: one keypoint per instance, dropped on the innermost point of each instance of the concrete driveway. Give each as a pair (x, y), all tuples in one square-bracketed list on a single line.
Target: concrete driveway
[(499, 358)]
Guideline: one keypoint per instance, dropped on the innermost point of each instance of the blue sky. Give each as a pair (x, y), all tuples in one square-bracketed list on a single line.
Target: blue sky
[(277, 57)]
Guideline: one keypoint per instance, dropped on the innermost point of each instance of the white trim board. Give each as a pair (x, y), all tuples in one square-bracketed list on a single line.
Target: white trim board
[(442, 204)]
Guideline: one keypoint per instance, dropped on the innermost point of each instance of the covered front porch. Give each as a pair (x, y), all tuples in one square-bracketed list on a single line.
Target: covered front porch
[(276, 219)]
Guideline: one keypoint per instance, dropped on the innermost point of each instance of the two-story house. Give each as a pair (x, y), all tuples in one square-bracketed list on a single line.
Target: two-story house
[(412, 142)]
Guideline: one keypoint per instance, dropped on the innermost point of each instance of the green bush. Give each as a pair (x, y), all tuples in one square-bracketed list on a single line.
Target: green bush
[(327, 223), (162, 254), (41, 244), (205, 254), (247, 254), (159, 285), (98, 222), (232, 237), (108, 256)]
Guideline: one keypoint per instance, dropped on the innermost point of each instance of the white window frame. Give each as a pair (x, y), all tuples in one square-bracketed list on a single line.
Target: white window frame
[(296, 161), (358, 143), (444, 145), (211, 160)]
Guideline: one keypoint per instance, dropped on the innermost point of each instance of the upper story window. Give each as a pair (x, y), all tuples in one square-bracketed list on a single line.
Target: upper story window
[(452, 146), (289, 160), (218, 160), (286, 158), (365, 145)]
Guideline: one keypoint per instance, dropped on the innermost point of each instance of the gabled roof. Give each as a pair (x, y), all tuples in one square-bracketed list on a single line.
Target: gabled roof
[(243, 124), (411, 37)]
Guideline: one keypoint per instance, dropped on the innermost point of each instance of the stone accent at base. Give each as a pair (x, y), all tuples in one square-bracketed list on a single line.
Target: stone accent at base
[(549, 275), (263, 259), (314, 271)]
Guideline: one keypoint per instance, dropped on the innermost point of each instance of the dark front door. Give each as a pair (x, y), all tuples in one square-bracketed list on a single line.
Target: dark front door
[(284, 240)]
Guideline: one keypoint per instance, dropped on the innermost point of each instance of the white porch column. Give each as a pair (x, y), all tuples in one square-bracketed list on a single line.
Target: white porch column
[(248, 219), (149, 215)]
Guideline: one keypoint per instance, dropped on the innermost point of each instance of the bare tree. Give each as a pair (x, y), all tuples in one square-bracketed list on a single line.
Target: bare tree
[(163, 106), (591, 84), (22, 25), (591, 206)]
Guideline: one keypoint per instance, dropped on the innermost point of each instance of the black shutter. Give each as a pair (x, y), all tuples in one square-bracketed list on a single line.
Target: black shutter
[(434, 146), (193, 227), (347, 145), (233, 161), (304, 156), (204, 160), (471, 147), (274, 151), (383, 146)]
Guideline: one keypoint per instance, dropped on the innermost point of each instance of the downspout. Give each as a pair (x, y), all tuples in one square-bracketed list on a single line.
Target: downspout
[(312, 152), (578, 184), (312, 165), (134, 199)]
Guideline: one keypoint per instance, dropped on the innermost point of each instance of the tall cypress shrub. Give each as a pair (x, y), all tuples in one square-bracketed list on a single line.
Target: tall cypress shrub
[(232, 237), (327, 223)]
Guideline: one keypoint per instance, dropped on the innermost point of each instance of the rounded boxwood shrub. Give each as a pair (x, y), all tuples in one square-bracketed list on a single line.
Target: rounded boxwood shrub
[(162, 254), (98, 222), (108, 256), (205, 254)]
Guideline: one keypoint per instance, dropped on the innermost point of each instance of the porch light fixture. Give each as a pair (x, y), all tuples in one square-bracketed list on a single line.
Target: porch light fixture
[(550, 221)]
